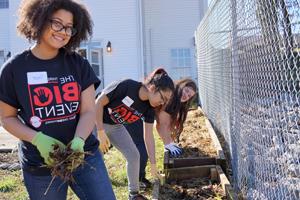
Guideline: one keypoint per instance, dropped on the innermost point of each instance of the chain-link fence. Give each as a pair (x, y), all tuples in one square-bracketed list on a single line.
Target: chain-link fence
[(248, 55)]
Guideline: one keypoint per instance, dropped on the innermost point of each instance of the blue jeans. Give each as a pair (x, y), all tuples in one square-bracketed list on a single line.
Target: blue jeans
[(91, 183), (136, 132)]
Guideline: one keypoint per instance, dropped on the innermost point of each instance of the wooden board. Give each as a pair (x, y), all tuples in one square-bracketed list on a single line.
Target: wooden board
[(188, 172), (213, 171)]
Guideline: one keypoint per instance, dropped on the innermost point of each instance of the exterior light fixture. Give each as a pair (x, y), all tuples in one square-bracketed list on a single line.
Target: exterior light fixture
[(108, 47)]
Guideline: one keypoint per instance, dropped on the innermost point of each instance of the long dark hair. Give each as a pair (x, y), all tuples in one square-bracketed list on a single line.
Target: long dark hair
[(34, 16), (177, 109), (161, 80)]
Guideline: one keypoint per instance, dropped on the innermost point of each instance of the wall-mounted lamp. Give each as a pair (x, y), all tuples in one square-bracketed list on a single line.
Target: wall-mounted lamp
[(108, 47)]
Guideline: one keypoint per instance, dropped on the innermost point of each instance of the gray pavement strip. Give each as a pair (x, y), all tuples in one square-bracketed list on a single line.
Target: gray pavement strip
[(7, 141)]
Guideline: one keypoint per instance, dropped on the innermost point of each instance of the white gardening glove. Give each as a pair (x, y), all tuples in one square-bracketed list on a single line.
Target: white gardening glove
[(174, 149), (104, 141)]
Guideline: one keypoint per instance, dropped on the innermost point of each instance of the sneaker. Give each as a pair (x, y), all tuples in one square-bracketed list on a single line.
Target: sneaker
[(136, 196), (145, 183)]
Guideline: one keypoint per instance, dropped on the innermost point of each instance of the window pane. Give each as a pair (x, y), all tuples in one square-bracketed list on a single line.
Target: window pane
[(187, 62), (96, 69), (187, 53), (95, 57), (180, 53), (4, 4), (181, 57), (181, 62)]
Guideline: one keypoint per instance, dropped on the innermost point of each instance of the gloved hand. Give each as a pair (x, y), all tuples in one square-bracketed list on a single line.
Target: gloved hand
[(174, 149), (104, 141), (77, 144), (44, 144)]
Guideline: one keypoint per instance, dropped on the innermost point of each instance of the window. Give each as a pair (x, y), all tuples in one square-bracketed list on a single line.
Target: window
[(95, 62), (4, 4), (1, 57), (181, 58), (95, 58)]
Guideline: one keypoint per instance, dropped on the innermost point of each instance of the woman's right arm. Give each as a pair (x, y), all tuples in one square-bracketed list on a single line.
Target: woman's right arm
[(10, 121), (163, 126), (101, 101)]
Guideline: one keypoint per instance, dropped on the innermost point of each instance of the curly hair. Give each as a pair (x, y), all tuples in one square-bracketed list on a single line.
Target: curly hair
[(177, 109), (34, 15)]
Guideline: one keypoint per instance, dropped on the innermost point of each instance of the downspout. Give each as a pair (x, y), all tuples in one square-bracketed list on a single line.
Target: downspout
[(140, 43)]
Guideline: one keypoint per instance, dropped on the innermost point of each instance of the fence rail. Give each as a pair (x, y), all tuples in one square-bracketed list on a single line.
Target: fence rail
[(248, 57)]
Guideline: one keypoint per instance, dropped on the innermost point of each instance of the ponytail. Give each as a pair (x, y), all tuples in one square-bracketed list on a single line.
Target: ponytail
[(160, 79)]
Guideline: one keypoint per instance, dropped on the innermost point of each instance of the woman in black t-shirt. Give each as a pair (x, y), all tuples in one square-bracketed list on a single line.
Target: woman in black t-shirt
[(169, 124), (125, 102), (47, 98)]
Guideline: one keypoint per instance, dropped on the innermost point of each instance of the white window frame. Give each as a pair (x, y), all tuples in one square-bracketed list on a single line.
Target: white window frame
[(98, 73)]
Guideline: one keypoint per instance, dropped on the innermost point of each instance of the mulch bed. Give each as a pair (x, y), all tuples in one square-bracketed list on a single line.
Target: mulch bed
[(196, 142), (195, 138), (191, 189)]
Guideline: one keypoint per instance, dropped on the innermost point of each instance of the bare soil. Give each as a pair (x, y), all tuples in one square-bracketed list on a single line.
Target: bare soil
[(191, 189), (196, 142), (9, 158), (195, 138)]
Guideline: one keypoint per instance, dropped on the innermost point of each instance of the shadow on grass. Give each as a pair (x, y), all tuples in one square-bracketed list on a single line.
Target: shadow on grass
[(118, 183)]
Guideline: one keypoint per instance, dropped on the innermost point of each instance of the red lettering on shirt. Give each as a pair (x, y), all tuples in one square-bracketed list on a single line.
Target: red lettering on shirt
[(124, 115)]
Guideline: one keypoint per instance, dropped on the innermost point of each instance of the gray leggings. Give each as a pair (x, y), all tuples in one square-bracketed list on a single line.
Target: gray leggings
[(120, 138)]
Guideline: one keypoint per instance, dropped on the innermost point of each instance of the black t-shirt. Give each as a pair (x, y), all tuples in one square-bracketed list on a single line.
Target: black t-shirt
[(124, 105), (47, 95)]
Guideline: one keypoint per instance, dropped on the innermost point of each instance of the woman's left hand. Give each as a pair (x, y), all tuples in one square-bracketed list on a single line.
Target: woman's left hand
[(104, 141), (77, 144), (174, 149)]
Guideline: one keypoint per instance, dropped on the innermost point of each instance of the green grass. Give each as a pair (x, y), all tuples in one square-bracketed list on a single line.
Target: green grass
[(12, 186), (7, 185), (116, 167)]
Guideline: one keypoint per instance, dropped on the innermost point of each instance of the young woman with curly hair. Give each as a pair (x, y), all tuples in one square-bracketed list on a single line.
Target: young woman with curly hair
[(47, 97)]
